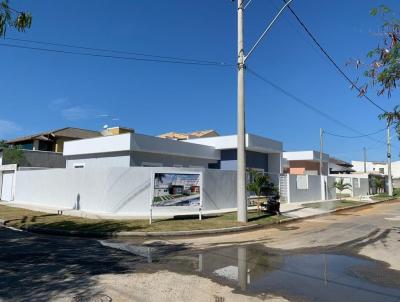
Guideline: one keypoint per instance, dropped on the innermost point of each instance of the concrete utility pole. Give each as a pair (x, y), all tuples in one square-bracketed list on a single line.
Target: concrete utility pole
[(389, 161), (241, 130), (241, 125), (365, 160), (321, 150)]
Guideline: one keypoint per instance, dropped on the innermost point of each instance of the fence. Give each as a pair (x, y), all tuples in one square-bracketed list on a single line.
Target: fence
[(119, 191), (359, 184)]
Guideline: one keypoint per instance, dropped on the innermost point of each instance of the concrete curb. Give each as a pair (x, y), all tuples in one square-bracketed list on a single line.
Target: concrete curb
[(184, 233)]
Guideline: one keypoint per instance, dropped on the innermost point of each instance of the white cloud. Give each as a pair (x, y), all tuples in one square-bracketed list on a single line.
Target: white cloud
[(59, 103), (8, 128), (75, 113)]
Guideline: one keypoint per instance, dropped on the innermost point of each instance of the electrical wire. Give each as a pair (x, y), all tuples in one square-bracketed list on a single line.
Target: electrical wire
[(114, 56), (116, 51), (309, 106), (357, 136), (329, 57)]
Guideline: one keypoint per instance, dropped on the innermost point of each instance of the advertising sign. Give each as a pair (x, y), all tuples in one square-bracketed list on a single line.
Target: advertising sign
[(176, 189)]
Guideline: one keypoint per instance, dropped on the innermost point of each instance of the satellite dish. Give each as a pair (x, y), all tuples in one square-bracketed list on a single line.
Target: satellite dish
[(105, 126)]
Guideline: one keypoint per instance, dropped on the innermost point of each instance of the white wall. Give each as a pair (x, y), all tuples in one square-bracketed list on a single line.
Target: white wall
[(253, 143), (359, 184), (305, 155), (101, 160), (140, 143), (313, 193), (120, 191)]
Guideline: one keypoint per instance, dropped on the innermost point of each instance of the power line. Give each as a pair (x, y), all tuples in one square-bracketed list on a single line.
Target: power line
[(114, 56), (332, 61), (357, 136), (116, 51), (309, 106)]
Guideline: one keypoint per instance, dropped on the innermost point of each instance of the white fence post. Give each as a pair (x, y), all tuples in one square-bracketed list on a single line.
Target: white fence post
[(288, 187), (323, 188)]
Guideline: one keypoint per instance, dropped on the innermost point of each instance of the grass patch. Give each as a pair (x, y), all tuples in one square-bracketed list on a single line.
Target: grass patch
[(385, 196), (332, 205), (17, 217)]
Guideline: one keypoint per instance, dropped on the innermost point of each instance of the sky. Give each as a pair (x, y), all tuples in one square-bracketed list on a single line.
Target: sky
[(45, 90)]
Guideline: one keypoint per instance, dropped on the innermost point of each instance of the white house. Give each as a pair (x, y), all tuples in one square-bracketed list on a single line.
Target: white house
[(133, 149), (371, 166), (305, 162)]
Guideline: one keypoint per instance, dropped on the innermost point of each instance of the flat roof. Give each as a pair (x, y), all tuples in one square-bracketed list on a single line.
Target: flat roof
[(253, 143), (139, 143)]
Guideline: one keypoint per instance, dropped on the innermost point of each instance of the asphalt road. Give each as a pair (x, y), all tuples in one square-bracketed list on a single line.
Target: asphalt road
[(350, 256)]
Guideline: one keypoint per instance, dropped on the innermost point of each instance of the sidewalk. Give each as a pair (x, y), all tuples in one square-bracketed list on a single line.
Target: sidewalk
[(67, 225), (291, 210)]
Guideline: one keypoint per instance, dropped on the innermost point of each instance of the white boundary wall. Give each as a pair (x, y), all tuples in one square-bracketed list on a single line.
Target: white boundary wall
[(359, 184), (304, 188), (118, 191)]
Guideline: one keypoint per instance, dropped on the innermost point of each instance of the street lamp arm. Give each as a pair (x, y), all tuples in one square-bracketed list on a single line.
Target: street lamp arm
[(267, 29)]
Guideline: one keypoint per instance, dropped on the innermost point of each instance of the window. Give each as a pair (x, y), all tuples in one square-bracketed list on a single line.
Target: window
[(78, 165), (382, 170), (302, 182)]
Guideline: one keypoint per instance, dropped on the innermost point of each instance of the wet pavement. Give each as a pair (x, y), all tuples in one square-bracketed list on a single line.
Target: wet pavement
[(37, 268), (255, 270)]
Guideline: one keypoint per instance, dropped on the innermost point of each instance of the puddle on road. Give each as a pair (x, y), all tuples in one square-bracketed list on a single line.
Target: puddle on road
[(254, 270)]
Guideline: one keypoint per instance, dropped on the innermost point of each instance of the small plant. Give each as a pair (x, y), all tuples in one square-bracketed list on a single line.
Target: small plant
[(341, 186), (379, 184), (260, 184)]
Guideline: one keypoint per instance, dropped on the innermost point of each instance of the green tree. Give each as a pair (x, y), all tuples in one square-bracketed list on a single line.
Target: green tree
[(382, 66), (341, 186), (260, 184), (11, 154), (11, 18)]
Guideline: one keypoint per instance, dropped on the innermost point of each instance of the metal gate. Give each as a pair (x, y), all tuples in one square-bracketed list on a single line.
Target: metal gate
[(284, 188), (7, 185)]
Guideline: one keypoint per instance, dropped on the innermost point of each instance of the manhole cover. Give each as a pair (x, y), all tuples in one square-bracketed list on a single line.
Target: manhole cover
[(95, 298)]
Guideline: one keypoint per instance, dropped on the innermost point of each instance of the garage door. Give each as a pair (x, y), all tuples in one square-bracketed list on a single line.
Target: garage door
[(7, 185)]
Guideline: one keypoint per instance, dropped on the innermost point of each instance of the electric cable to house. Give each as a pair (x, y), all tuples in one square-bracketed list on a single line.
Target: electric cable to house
[(115, 51), (357, 136), (329, 57), (309, 106), (115, 56)]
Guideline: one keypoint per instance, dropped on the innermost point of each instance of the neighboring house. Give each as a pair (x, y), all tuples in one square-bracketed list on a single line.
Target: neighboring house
[(305, 162), (338, 166), (52, 141), (371, 166), (44, 150), (263, 154), (184, 136), (116, 130)]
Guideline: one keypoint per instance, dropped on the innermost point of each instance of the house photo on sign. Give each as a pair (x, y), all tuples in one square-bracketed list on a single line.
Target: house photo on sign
[(176, 189)]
